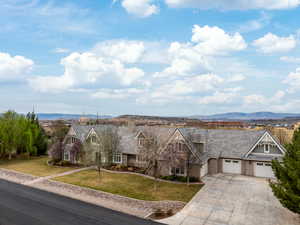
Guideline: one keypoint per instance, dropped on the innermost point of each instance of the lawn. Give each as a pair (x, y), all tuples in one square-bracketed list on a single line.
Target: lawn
[(35, 166), (133, 186)]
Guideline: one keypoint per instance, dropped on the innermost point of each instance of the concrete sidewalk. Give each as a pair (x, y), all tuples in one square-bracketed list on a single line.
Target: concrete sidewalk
[(234, 200)]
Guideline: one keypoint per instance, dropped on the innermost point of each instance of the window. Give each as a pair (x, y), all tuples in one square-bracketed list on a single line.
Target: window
[(73, 140), (117, 158), (66, 156), (259, 164), (268, 164), (140, 158), (179, 171), (235, 161), (228, 161), (266, 148), (93, 139)]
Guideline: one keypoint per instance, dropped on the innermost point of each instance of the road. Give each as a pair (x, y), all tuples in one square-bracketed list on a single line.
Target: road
[(23, 205)]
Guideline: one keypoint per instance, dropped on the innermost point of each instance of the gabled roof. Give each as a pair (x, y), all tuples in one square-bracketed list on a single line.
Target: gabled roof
[(274, 139), (217, 142)]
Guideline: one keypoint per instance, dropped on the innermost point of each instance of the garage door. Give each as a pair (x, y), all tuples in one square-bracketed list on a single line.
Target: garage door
[(263, 169), (231, 166)]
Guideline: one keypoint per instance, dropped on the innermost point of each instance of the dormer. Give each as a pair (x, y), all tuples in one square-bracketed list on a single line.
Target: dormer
[(141, 139)]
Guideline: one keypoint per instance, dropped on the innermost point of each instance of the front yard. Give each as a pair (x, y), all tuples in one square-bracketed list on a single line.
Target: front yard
[(36, 166), (132, 186)]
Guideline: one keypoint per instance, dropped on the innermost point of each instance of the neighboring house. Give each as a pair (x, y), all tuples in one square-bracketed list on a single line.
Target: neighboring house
[(212, 151)]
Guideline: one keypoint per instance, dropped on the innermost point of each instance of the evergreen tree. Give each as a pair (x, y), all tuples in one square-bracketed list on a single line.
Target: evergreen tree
[(287, 188)]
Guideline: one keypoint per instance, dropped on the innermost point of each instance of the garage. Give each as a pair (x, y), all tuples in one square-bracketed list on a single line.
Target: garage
[(232, 166), (263, 169)]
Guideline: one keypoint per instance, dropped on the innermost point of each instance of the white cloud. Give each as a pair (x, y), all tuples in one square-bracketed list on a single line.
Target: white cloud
[(125, 51), (140, 8), (196, 56), (215, 41), (271, 43), (293, 80), (290, 59), (13, 66), (257, 99), (87, 69), (236, 78), (256, 24), (234, 4), (61, 50), (218, 98), (116, 93)]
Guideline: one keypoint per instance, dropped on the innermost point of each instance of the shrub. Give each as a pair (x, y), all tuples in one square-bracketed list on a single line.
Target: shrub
[(179, 178)]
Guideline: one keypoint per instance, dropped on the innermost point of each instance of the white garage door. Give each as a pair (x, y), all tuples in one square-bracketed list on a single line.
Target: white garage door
[(263, 169), (232, 166)]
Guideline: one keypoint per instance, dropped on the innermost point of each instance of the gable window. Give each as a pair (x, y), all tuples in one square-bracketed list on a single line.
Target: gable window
[(178, 171), (73, 140), (141, 141), (266, 148), (66, 156), (93, 139), (117, 158)]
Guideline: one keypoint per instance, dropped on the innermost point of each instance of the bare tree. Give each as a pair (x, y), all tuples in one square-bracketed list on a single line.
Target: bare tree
[(178, 155), (109, 141), (150, 153)]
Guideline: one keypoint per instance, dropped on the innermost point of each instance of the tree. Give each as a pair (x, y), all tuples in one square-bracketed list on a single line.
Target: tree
[(287, 186), (109, 141), (150, 153)]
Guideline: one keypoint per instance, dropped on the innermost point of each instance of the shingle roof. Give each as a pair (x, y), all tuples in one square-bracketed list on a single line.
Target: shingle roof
[(218, 143)]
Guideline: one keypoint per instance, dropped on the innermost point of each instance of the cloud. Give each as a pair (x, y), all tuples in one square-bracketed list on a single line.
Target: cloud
[(215, 41), (196, 56), (87, 69), (236, 78), (234, 4), (290, 59), (293, 80), (257, 99), (125, 51), (271, 43), (219, 97), (140, 8), (256, 24), (14, 66), (116, 93), (61, 50)]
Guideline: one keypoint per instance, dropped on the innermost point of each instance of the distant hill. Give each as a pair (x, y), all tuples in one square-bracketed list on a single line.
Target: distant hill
[(55, 116), (247, 116)]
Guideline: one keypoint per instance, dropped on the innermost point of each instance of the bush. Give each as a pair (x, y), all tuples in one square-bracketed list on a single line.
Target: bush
[(179, 178)]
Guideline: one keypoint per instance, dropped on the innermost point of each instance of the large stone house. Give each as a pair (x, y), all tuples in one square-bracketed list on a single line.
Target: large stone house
[(212, 151)]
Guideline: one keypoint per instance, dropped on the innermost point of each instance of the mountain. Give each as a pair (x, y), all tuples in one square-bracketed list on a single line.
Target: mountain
[(247, 116), (55, 116)]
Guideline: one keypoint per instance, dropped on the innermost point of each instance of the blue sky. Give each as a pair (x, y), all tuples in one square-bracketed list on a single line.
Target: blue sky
[(155, 57)]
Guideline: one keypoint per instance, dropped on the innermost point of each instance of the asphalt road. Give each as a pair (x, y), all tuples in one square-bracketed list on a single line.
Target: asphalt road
[(22, 205)]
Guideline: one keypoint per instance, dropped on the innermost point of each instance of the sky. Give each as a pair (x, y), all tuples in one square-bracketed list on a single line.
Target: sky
[(150, 57)]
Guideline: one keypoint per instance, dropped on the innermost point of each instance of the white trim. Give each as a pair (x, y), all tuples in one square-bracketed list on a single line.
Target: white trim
[(254, 146), (67, 153), (114, 155), (90, 132), (265, 154), (171, 138), (180, 175)]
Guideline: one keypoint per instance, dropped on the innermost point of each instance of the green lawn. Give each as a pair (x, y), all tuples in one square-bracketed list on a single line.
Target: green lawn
[(35, 166), (133, 186)]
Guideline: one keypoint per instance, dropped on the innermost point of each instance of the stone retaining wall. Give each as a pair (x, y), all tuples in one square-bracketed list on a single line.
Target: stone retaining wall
[(16, 177), (116, 202)]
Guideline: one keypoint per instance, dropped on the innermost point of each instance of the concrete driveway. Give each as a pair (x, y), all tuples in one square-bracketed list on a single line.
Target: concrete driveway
[(234, 200)]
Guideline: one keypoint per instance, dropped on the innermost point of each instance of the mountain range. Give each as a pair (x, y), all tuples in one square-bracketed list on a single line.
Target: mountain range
[(56, 116), (247, 116)]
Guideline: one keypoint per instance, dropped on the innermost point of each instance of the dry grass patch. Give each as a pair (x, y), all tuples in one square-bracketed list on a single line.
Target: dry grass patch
[(36, 166), (133, 186)]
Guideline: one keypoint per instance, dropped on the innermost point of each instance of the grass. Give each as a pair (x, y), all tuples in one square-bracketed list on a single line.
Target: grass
[(132, 186), (35, 166)]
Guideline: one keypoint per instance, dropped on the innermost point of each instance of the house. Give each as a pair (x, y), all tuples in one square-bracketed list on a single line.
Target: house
[(246, 152)]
